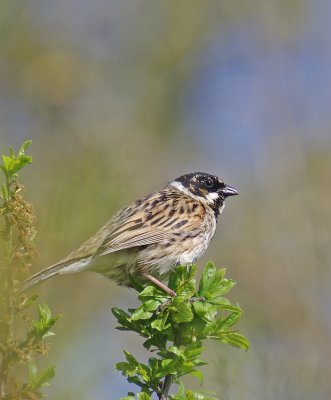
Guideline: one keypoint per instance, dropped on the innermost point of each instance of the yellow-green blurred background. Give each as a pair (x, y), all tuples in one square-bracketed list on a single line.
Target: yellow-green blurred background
[(119, 97)]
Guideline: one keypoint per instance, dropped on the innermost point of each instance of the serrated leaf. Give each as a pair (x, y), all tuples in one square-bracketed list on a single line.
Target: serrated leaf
[(140, 313), (231, 320), (151, 305), (44, 312), (168, 367), (213, 284), (193, 350), (119, 314), (130, 358), (182, 321), (45, 376), (25, 145), (161, 324), (205, 310), (221, 285), (182, 313), (152, 292), (122, 366), (45, 321), (35, 380), (235, 339), (207, 277), (177, 351), (182, 281), (13, 165), (219, 301)]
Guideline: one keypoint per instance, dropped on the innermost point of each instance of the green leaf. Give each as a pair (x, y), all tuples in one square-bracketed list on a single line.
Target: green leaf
[(234, 339), (181, 389), (7, 162), (4, 190), (168, 367), (133, 369), (205, 310), (45, 321), (32, 372), (208, 276), (177, 351), (193, 350), (182, 312), (198, 375), (44, 377), (175, 328), (153, 293), (24, 146), (182, 281), (161, 323), (12, 164), (130, 358), (140, 313), (194, 395), (212, 283), (120, 315), (151, 305), (231, 319), (143, 396)]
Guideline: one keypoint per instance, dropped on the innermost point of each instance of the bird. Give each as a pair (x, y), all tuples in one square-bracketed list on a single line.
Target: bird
[(148, 239)]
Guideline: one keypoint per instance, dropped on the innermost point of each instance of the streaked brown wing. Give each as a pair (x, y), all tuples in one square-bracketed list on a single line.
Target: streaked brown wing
[(92, 245), (155, 221)]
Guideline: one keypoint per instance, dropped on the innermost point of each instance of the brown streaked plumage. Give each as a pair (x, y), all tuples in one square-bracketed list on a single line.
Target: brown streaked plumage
[(153, 235)]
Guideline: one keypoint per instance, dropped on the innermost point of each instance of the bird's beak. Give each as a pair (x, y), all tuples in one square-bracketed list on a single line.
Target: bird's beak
[(229, 191)]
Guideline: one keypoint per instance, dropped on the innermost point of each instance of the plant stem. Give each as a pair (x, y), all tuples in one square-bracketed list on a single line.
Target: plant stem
[(163, 395), (8, 298)]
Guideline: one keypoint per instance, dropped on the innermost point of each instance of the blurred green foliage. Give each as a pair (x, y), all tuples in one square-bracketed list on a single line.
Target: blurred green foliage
[(17, 250)]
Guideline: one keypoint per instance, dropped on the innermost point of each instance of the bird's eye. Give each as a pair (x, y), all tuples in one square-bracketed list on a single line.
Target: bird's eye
[(209, 182)]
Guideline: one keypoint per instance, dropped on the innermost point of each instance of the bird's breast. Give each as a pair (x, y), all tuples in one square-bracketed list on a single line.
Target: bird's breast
[(196, 245)]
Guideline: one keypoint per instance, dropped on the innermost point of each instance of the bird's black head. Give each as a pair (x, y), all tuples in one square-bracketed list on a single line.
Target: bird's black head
[(209, 189)]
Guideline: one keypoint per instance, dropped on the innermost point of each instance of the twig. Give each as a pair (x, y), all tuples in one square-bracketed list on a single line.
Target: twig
[(163, 395)]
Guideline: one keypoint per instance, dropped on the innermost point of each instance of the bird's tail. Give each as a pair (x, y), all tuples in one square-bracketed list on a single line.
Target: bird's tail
[(62, 267)]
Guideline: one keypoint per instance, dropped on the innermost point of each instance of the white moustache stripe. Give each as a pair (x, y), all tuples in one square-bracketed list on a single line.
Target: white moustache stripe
[(211, 197)]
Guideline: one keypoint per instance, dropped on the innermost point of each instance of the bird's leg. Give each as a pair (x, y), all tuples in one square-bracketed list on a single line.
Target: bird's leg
[(160, 285)]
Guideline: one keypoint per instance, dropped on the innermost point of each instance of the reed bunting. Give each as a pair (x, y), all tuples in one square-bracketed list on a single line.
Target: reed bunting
[(147, 239)]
